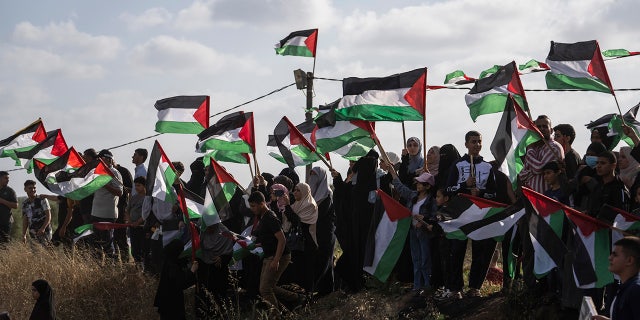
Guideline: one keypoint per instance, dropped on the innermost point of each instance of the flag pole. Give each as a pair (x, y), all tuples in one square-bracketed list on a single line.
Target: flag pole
[(424, 122), (255, 161), (251, 170), (404, 136)]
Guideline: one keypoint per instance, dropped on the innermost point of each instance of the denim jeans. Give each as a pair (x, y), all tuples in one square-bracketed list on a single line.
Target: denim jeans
[(421, 257), (269, 280)]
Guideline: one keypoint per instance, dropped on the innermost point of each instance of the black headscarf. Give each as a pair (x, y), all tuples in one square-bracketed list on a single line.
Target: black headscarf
[(448, 156), (44, 308), (291, 174)]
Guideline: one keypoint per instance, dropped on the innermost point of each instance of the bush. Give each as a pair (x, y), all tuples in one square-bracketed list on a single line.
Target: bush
[(84, 287)]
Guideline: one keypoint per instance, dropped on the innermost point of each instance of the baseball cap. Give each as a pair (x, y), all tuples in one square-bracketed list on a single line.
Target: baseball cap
[(426, 177)]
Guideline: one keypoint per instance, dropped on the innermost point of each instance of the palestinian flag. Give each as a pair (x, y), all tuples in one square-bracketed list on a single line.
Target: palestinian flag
[(290, 144), (194, 204), (225, 156), (234, 132), (220, 189), (244, 245), (49, 149), (548, 248), (619, 219), (515, 132), (331, 135), (356, 149), (71, 177), (533, 66), (183, 114), (23, 140), (577, 66), (619, 53), (382, 252), (161, 176), (298, 43), (490, 94), (550, 210), (478, 218), (490, 71), (615, 126), (400, 97), (458, 77), (592, 246)]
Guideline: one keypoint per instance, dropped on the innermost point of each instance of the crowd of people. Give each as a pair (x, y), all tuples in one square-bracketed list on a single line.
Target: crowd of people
[(297, 225)]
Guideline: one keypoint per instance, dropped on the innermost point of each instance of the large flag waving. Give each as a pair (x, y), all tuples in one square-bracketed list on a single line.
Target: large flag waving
[(490, 94), (545, 234), (383, 249), (291, 144), (577, 66), (298, 43), (591, 242), (234, 132), (331, 135), (220, 189), (400, 97), (70, 177), (49, 149), (515, 132), (183, 114), (161, 176), (478, 218), (23, 140)]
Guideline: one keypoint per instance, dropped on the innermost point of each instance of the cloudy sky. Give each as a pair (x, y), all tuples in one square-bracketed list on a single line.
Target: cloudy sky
[(95, 68)]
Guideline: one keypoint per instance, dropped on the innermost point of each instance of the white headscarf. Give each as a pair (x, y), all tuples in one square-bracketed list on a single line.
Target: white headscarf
[(306, 209), (319, 184)]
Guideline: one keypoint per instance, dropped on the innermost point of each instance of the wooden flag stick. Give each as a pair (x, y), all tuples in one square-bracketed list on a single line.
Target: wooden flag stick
[(404, 136)]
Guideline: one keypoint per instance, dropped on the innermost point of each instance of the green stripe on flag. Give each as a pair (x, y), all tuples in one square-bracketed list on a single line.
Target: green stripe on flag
[(560, 81), (374, 112), (390, 256), (287, 50), (179, 127)]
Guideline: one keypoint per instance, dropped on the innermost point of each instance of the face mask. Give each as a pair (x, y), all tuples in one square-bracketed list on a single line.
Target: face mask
[(591, 161)]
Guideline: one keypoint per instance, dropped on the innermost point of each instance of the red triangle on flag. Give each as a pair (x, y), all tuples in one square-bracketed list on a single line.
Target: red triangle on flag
[(417, 94), (597, 68), (247, 133), (40, 134), (221, 173), (202, 113), (311, 42), (394, 209), (482, 202), (522, 119), (59, 145)]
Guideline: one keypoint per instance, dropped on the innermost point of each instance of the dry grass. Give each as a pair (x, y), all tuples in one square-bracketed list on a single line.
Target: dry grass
[(84, 287)]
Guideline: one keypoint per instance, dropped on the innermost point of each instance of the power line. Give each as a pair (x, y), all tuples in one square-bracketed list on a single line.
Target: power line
[(213, 115)]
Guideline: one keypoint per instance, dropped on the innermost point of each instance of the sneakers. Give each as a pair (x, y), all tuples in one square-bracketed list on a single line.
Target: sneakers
[(473, 293), (448, 295)]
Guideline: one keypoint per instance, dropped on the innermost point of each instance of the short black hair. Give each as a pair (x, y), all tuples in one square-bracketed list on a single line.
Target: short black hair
[(91, 152), (551, 165), (610, 156), (178, 166), (256, 197), (544, 117), (29, 183), (470, 134), (566, 130), (3, 173), (143, 152), (631, 247), (140, 180)]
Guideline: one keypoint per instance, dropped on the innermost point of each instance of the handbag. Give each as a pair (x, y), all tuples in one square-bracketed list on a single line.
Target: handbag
[(295, 238)]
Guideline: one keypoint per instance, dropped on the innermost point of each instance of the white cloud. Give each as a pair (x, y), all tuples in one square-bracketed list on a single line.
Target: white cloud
[(149, 18), (276, 14), (168, 55), (44, 63), (64, 37), (197, 16)]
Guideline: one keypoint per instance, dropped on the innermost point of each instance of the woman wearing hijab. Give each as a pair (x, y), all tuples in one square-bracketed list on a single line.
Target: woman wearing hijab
[(303, 214), (433, 160), (448, 156), (412, 161), (325, 229), (174, 279), (44, 309)]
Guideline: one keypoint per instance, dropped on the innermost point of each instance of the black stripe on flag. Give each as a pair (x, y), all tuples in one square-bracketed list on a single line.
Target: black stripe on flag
[(502, 77), (227, 123), (582, 266), (180, 102), (547, 238), (301, 33), (508, 211), (572, 51), (356, 86)]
